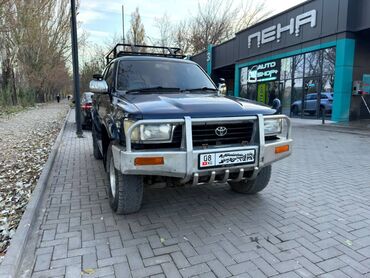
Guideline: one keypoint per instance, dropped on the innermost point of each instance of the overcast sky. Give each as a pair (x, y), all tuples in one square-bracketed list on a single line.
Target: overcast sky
[(102, 19)]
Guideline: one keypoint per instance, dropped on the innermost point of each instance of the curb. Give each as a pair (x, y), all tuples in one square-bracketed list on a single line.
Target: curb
[(14, 255)]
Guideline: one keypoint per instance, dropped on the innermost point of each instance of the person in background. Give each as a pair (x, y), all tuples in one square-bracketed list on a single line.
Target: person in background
[(271, 96), (276, 104), (58, 98)]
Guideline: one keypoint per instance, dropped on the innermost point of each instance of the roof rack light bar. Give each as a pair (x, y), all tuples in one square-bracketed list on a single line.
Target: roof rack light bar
[(123, 49)]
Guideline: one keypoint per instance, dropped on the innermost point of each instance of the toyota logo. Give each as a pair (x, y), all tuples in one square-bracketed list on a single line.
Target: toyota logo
[(221, 131)]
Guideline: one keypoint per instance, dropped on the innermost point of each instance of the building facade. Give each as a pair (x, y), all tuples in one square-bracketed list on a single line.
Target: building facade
[(315, 57)]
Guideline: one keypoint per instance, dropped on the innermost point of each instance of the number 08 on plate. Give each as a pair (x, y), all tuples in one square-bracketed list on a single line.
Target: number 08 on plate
[(226, 158)]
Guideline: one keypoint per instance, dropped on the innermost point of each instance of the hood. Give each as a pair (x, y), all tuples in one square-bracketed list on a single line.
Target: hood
[(178, 105)]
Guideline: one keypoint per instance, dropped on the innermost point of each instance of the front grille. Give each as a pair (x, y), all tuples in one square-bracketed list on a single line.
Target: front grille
[(237, 133), (204, 135)]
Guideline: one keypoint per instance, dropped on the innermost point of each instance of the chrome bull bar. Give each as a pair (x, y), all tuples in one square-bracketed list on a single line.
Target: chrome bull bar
[(187, 123), (223, 180)]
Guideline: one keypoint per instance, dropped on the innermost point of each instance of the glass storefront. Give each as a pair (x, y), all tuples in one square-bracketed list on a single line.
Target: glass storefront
[(304, 83)]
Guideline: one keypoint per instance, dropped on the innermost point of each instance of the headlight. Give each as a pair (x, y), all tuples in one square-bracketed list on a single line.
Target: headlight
[(149, 132), (135, 133), (273, 126), (160, 132)]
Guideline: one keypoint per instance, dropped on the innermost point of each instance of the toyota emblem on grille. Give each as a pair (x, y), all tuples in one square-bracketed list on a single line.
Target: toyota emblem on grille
[(221, 131)]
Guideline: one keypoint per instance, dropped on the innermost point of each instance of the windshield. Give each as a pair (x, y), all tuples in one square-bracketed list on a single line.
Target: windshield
[(166, 74)]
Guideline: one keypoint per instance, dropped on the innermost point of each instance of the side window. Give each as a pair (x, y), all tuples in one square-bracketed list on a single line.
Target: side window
[(323, 96), (109, 75)]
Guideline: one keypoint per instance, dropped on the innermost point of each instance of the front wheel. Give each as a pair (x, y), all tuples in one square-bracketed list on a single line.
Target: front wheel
[(253, 186), (96, 151), (125, 191)]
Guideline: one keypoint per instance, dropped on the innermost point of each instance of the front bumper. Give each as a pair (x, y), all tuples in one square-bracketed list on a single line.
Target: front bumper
[(184, 163)]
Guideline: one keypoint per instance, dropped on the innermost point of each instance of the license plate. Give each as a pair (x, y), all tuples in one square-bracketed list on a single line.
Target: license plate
[(226, 158)]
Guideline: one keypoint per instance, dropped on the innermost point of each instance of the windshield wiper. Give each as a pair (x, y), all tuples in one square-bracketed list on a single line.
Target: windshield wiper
[(154, 89), (200, 89)]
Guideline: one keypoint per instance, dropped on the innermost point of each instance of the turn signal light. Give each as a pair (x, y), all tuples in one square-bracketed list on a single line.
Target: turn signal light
[(282, 149), (142, 161)]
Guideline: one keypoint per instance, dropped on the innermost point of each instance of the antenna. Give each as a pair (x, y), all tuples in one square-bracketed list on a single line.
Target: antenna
[(123, 24)]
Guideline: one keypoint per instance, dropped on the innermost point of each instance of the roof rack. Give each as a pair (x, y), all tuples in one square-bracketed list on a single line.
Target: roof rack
[(122, 49)]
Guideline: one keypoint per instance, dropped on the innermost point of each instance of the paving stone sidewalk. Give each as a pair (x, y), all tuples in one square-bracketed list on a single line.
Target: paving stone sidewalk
[(313, 220)]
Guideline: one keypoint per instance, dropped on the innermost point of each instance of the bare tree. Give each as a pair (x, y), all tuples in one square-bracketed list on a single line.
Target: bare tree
[(249, 13), (164, 27), (4, 8), (180, 35), (109, 43), (36, 46), (212, 24), (136, 33), (217, 21), (49, 22), (95, 64), (7, 55)]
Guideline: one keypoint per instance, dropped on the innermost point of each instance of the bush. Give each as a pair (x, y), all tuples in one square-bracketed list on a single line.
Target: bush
[(5, 97), (26, 97)]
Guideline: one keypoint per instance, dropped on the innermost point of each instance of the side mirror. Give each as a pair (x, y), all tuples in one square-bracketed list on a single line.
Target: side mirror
[(98, 85), (222, 89)]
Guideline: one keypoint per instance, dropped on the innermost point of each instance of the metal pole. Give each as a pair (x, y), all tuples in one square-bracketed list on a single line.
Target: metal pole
[(323, 115), (123, 24), (76, 76)]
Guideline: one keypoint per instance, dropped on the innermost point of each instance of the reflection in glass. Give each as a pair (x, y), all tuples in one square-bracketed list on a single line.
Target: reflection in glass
[(312, 86), (297, 93), (249, 91), (252, 91), (328, 66), (286, 97), (243, 91), (312, 95), (313, 63), (328, 83), (298, 65), (273, 92), (244, 76), (286, 68)]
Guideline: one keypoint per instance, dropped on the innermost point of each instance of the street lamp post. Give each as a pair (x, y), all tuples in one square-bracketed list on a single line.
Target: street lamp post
[(76, 76)]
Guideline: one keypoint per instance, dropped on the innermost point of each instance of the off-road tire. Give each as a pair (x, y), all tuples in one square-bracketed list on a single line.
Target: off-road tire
[(96, 150), (253, 186), (129, 189)]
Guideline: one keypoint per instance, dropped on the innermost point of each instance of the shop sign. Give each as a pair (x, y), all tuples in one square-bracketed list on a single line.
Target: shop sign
[(273, 33), (260, 73)]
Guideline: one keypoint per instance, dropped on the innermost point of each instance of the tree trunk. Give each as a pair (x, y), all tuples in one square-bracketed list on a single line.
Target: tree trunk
[(5, 73), (14, 89)]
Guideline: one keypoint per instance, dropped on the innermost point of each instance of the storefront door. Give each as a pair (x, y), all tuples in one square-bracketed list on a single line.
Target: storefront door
[(267, 91)]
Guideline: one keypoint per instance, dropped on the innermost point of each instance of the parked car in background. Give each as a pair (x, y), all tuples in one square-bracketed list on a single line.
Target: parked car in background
[(86, 104), (310, 104)]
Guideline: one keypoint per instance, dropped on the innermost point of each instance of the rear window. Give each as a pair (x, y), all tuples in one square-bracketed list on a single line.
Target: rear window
[(88, 97)]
